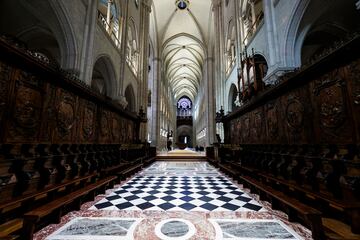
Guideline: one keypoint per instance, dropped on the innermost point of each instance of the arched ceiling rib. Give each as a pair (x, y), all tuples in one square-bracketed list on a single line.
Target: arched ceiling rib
[(184, 35), (184, 58)]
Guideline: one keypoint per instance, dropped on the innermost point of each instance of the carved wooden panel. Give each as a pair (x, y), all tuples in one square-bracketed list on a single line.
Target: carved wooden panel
[(232, 131), (130, 131), (298, 116), (115, 127), (354, 85), (42, 103), (272, 122), (25, 120), (245, 130), (88, 122), (65, 116), (257, 126), (332, 115), (105, 127), (49, 121), (5, 81)]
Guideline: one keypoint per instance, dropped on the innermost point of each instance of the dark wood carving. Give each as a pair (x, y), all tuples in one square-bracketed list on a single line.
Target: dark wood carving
[(272, 121), (66, 115), (353, 71), (319, 105), (88, 124), (105, 124), (258, 125), (4, 89), (297, 112), (27, 108), (332, 112)]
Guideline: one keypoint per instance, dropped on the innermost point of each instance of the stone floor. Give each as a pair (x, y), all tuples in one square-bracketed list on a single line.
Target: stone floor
[(175, 200)]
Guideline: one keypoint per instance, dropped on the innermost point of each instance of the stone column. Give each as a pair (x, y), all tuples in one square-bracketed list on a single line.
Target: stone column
[(87, 51), (143, 66), (238, 39), (155, 103), (219, 55), (220, 59), (120, 91), (210, 100)]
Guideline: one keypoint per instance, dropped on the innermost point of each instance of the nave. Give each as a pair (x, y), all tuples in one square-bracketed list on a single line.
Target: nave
[(175, 200)]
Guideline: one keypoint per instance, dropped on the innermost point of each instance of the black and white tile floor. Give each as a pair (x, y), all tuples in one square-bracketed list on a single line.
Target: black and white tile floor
[(178, 193)]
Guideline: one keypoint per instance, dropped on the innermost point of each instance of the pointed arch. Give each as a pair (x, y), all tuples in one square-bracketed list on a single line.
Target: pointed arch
[(130, 98), (104, 76)]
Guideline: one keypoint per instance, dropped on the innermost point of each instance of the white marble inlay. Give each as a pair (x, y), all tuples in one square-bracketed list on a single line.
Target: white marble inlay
[(165, 225), (252, 229), (181, 169), (97, 228)]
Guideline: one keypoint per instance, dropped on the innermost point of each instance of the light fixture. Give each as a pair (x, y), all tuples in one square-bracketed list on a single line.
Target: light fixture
[(182, 4)]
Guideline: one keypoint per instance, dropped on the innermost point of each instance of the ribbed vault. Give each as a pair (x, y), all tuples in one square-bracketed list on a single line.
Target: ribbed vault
[(183, 36)]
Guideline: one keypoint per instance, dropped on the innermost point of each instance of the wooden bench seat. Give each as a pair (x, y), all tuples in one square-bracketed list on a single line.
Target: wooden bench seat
[(350, 209), (213, 161), (294, 208), (228, 169), (114, 170), (129, 171), (11, 229), (25, 202), (339, 229), (244, 170), (55, 208), (149, 161)]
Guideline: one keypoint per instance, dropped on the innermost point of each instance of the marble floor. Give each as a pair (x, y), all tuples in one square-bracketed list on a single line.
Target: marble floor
[(175, 201)]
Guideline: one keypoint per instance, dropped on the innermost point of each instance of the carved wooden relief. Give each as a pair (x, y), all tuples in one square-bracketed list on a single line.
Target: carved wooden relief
[(238, 128), (272, 122), (296, 113), (48, 123), (354, 85), (26, 113), (105, 132), (332, 110), (130, 131), (4, 88), (257, 129), (245, 131), (115, 128), (232, 132), (88, 121), (66, 114)]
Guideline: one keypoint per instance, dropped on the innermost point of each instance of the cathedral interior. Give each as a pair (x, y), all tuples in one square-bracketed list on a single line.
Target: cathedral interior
[(179, 119)]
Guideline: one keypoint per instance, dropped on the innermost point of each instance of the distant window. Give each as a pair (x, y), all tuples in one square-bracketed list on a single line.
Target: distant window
[(182, 4)]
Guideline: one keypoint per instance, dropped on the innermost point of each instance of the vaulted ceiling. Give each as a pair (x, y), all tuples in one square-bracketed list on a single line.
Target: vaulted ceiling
[(183, 36)]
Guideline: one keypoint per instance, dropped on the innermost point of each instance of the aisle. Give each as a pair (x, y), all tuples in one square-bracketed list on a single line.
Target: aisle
[(175, 200)]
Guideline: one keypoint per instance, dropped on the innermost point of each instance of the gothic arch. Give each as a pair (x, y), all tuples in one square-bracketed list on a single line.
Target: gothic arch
[(304, 23), (104, 76), (294, 36), (130, 98), (50, 20), (233, 94)]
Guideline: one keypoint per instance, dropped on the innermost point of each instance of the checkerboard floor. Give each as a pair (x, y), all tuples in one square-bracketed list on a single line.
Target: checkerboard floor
[(179, 193)]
